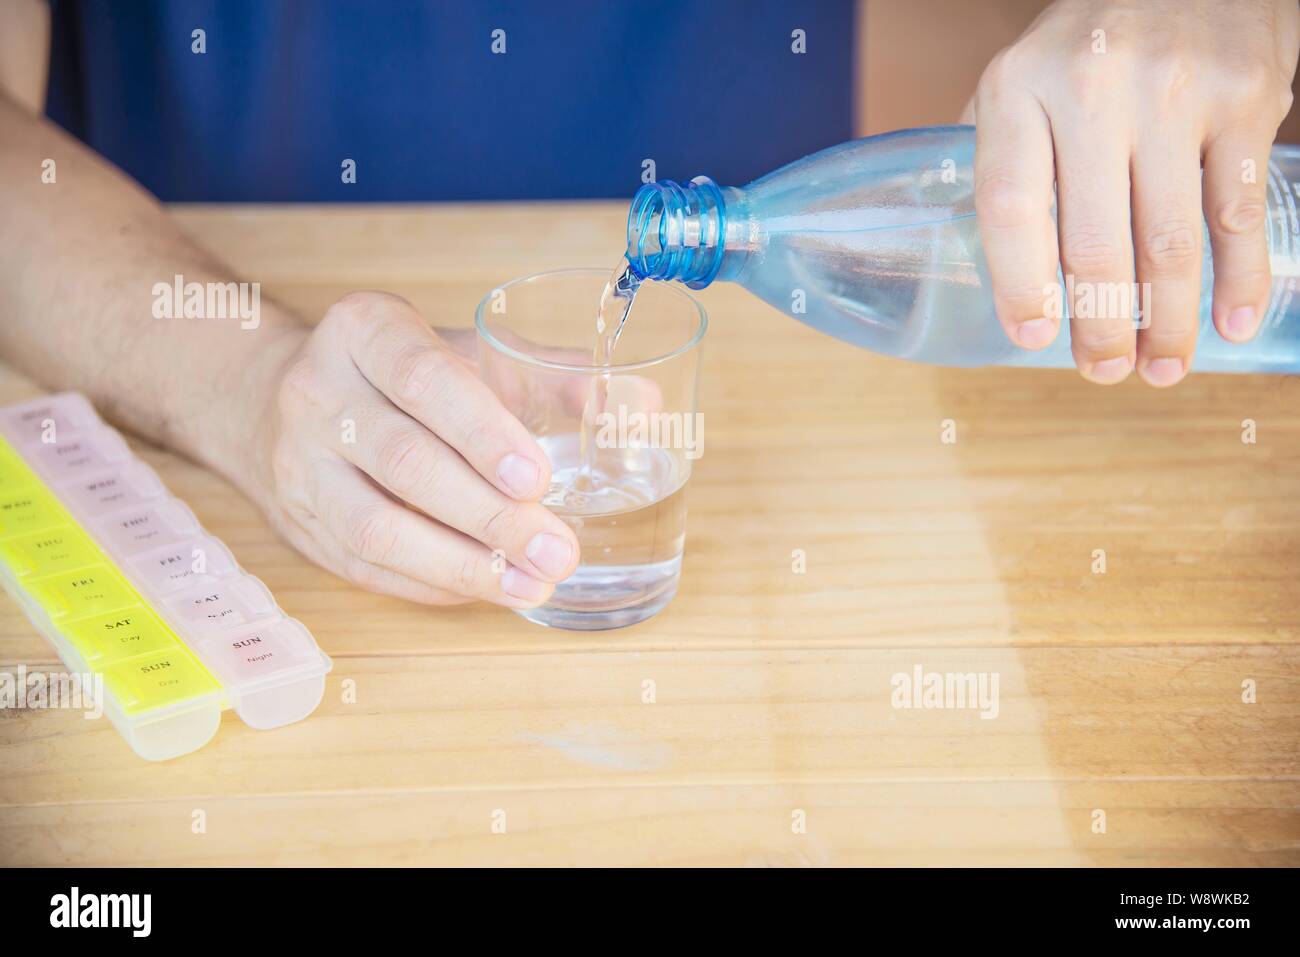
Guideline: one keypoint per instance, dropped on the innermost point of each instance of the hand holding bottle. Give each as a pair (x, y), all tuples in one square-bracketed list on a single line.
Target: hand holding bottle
[(1119, 107)]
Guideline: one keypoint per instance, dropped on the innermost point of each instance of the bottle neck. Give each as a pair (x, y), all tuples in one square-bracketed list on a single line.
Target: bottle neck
[(679, 231)]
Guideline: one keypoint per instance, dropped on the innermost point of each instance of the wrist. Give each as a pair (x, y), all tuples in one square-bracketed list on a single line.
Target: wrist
[(233, 433)]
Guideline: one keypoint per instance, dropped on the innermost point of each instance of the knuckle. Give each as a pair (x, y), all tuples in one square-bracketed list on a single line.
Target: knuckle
[(419, 373), (360, 319), (1171, 77), (353, 308), (1251, 281), (362, 304), (1022, 301), (1089, 248), (1090, 78), (1099, 338), (1002, 199), (467, 576), (1171, 248), (300, 389), (362, 574), (356, 301), (500, 525), (1170, 337), (372, 535), (478, 433), (1003, 72), (300, 512), (405, 463), (390, 299), (1253, 80), (1240, 216)]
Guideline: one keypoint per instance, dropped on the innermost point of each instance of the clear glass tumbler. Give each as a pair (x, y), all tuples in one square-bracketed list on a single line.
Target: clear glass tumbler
[(621, 438)]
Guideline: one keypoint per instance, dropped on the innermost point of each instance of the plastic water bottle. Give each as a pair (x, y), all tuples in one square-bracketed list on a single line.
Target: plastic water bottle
[(875, 242)]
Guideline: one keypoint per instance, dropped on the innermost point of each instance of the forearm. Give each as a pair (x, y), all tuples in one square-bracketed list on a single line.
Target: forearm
[(83, 255)]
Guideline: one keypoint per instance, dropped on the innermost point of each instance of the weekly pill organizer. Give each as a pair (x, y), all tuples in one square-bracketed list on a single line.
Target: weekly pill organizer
[(125, 583)]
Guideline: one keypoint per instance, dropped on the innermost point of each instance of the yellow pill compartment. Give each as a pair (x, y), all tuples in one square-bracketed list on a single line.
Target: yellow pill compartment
[(119, 635), (49, 552), (148, 681), (90, 604)]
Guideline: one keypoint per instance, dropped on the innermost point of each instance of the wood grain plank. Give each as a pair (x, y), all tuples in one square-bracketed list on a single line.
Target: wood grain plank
[(887, 824), (820, 715)]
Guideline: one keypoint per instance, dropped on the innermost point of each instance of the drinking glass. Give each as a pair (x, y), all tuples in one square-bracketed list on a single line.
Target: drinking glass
[(621, 438)]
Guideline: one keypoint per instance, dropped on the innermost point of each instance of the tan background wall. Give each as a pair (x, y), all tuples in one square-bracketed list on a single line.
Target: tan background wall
[(919, 60)]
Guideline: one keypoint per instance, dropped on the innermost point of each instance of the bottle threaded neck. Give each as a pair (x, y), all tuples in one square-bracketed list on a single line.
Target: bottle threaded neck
[(677, 232)]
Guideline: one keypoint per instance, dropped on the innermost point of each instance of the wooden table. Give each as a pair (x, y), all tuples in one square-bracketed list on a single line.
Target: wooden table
[(752, 723)]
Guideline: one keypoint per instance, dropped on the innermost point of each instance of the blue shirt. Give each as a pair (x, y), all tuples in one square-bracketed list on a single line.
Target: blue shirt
[(585, 92)]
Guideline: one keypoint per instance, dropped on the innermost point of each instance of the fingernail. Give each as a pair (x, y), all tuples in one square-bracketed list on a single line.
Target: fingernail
[(550, 554), (1035, 333), (1241, 322), (1162, 372), (519, 474), (523, 586), (1110, 371)]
